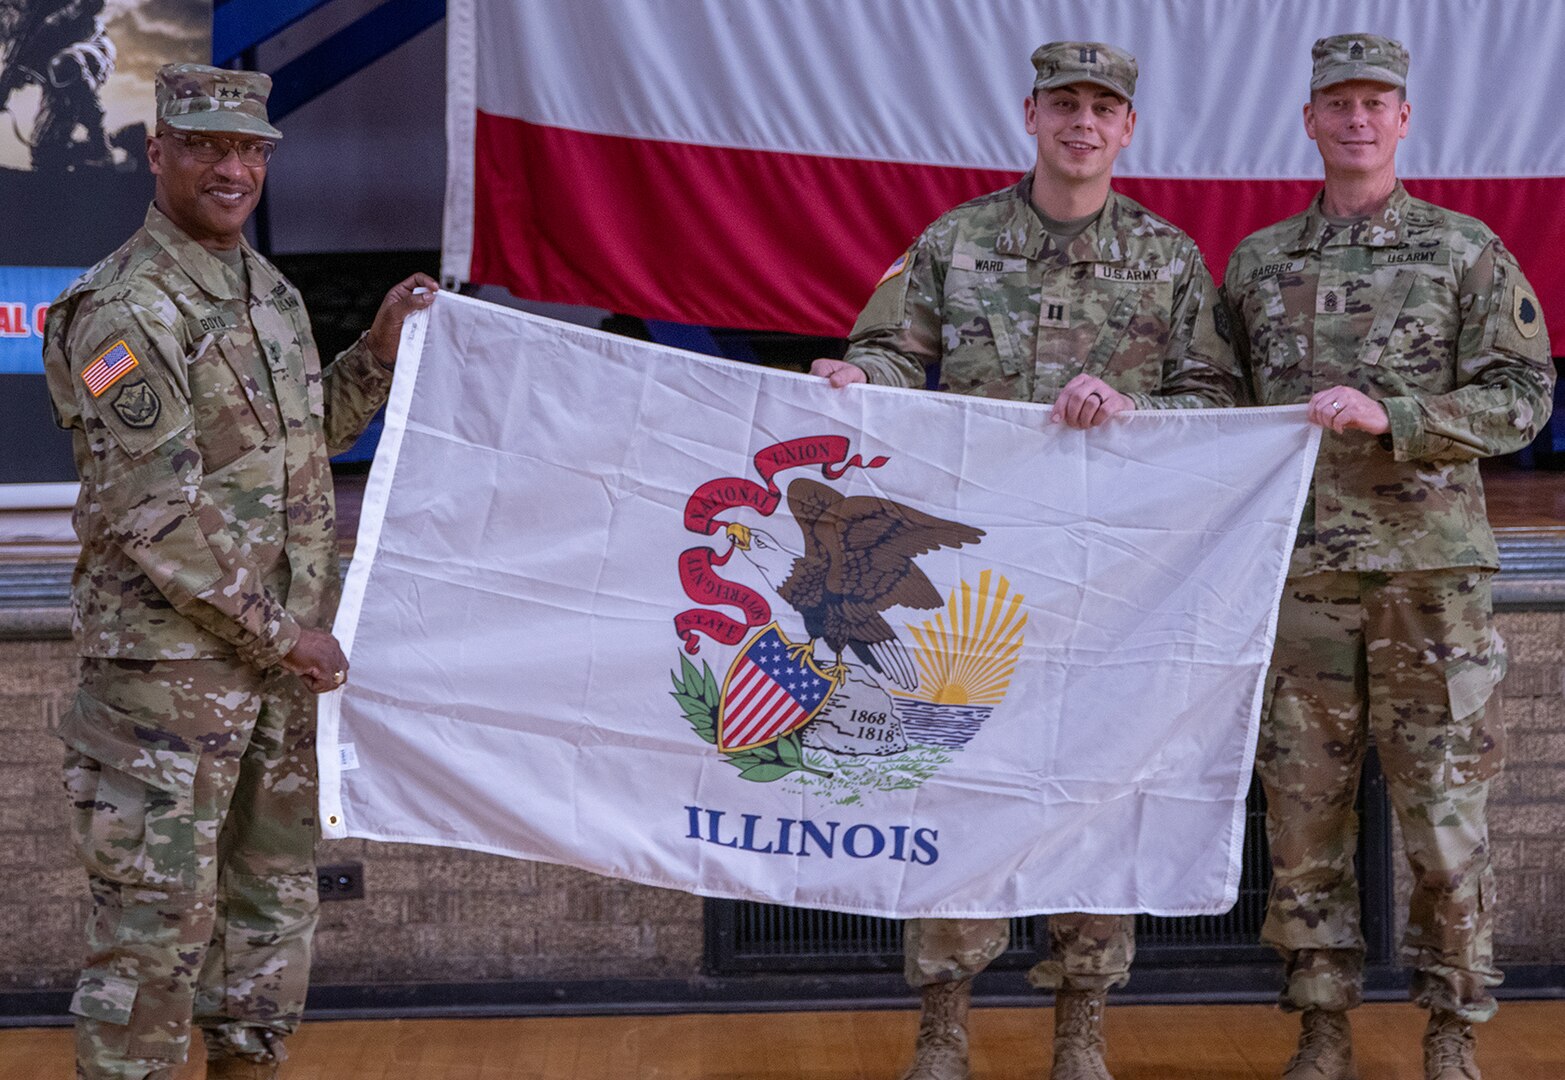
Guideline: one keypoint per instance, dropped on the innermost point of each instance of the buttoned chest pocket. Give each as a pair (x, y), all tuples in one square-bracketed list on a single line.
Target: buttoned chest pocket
[(1131, 345), (1411, 345), (985, 316), (231, 406)]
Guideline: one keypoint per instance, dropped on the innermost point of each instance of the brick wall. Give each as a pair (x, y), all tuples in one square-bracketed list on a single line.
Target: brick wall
[(438, 915), (443, 915), (1527, 825), (43, 898)]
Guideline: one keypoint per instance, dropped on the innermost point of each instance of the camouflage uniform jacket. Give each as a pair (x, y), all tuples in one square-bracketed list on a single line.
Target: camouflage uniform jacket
[(1425, 311), (987, 304), (205, 516)]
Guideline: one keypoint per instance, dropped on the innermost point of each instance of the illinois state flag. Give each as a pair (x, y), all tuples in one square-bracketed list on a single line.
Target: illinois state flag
[(708, 626)]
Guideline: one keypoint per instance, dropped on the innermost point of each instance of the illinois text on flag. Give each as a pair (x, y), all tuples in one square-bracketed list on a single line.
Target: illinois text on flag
[(709, 626)]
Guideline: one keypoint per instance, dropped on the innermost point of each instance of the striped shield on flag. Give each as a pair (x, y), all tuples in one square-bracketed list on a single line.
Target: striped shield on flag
[(773, 689)]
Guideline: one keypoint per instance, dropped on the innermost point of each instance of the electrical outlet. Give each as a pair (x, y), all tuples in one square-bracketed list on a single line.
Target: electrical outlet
[(344, 881)]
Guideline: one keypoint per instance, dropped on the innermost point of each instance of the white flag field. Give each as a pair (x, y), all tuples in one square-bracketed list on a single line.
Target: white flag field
[(724, 629)]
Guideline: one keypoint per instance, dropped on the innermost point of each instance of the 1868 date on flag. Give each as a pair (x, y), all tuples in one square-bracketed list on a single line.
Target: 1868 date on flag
[(708, 626)]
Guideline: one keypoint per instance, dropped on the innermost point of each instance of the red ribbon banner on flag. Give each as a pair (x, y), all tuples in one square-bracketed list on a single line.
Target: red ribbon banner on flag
[(698, 565)]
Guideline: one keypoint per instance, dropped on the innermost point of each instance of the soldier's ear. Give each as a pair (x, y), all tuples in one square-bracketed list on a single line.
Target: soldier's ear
[(154, 154)]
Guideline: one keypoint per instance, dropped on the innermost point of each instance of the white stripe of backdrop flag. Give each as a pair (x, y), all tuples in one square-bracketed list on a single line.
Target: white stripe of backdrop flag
[(723, 629)]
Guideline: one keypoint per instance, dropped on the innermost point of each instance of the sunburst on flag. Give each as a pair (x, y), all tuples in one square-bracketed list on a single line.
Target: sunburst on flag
[(967, 654)]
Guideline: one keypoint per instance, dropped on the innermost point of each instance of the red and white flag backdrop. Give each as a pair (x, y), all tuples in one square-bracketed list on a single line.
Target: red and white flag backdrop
[(758, 164)]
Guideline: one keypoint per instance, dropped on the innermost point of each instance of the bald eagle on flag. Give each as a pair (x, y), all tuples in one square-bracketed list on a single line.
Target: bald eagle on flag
[(857, 562)]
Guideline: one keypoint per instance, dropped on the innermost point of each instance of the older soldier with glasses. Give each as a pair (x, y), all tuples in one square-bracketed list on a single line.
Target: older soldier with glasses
[(1419, 346), (210, 149), (201, 418)]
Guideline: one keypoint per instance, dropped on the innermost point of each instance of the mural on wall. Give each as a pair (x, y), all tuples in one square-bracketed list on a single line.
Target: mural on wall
[(76, 77), (76, 104)]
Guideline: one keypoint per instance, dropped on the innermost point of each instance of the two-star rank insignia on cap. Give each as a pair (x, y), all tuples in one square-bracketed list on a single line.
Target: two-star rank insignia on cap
[(112, 365), (1524, 309)]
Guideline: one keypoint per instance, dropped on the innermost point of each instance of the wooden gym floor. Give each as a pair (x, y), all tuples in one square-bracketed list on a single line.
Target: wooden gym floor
[(1146, 1042)]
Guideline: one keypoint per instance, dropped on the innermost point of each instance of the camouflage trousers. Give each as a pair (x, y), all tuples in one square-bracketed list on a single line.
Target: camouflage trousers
[(1088, 952), (1410, 659), (193, 795)]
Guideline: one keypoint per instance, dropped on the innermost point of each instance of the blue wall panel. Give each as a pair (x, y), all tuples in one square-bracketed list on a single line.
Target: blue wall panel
[(25, 292)]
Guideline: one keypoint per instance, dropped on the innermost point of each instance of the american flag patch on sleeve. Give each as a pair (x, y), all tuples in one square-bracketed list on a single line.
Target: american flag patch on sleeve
[(894, 269), (113, 365)]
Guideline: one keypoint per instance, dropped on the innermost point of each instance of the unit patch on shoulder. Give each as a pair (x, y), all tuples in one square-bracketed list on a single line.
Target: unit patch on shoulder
[(1221, 322), (137, 404), (1524, 309), (112, 365)]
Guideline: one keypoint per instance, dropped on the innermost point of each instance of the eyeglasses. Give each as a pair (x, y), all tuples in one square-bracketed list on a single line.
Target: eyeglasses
[(209, 150)]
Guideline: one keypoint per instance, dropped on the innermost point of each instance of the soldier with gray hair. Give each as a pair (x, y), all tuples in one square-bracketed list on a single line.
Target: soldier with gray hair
[(1057, 290), (1420, 347), (201, 420)]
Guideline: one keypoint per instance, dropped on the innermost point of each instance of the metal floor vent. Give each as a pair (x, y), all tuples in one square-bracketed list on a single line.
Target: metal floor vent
[(747, 937)]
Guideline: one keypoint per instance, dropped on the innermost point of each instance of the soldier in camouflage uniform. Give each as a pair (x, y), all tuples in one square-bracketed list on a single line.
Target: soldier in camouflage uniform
[(1056, 290), (201, 419), (1419, 345)]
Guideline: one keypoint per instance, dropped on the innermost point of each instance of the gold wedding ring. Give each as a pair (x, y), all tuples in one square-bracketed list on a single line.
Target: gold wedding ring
[(339, 677)]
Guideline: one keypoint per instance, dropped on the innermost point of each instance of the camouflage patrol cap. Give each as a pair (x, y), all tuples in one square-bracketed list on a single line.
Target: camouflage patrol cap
[(1060, 63), (195, 97), (1358, 56)]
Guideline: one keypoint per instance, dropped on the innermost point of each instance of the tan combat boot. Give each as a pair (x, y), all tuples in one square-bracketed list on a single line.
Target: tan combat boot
[(1078, 1036), (1325, 1048), (1448, 1048), (232, 1068), (941, 1051)]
